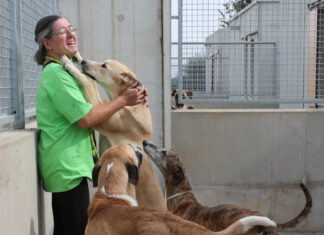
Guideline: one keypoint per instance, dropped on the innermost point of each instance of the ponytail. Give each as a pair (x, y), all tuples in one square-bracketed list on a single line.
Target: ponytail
[(43, 30)]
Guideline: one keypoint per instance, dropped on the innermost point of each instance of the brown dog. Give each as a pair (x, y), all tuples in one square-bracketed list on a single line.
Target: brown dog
[(182, 202), (113, 209), (131, 124), (185, 95)]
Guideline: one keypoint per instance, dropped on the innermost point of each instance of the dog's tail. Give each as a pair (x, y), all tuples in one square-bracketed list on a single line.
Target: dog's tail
[(303, 214), (245, 224)]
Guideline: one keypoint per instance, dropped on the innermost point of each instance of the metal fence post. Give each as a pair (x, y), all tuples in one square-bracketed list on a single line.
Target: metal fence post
[(180, 51), (17, 66)]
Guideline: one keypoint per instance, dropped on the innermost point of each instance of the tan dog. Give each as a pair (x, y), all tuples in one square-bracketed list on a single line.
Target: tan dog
[(113, 209), (182, 202), (185, 95), (131, 124)]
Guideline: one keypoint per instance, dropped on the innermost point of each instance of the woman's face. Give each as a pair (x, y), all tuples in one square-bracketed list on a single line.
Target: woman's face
[(63, 40)]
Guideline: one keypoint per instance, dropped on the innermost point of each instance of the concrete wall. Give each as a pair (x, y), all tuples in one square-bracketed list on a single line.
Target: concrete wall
[(24, 207), (254, 158)]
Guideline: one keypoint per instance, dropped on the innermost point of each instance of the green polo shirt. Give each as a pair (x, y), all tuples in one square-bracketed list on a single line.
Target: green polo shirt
[(65, 153)]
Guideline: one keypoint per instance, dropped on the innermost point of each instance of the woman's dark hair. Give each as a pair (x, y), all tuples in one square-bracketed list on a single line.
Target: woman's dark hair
[(43, 30)]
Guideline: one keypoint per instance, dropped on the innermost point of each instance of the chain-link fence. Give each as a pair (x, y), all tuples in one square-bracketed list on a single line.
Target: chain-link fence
[(249, 51), (19, 74)]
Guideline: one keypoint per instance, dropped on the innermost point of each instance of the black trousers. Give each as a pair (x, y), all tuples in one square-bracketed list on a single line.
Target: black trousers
[(70, 210)]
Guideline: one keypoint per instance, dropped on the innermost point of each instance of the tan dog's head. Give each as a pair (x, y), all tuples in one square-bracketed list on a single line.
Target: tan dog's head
[(169, 164), (110, 74), (118, 169)]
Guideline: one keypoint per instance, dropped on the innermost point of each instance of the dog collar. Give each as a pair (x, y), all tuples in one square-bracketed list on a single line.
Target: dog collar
[(179, 194)]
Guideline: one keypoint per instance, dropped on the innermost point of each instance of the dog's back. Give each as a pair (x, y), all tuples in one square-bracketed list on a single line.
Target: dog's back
[(215, 218)]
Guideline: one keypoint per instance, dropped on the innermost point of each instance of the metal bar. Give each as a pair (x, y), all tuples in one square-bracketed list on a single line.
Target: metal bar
[(245, 70), (228, 101), (180, 43), (275, 81), (225, 43), (17, 65), (318, 3)]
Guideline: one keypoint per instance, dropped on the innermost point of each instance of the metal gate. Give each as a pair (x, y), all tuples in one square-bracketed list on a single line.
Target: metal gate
[(19, 74), (248, 51)]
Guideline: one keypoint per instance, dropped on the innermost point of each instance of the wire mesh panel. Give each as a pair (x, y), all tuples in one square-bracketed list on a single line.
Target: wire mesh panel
[(248, 51), (31, 12), (19, 73), (5, 75)]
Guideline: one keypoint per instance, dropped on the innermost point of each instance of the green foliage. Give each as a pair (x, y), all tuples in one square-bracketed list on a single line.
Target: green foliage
[(231, 8)]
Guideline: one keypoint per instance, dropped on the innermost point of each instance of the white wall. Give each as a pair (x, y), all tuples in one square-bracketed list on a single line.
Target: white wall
[(24, 207), (278, 69)]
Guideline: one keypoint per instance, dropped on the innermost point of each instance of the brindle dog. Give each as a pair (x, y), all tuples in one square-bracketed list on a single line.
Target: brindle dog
[(182, 202)]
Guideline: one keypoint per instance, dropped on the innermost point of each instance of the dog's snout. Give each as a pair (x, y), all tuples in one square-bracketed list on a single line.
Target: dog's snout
[(83, 62)]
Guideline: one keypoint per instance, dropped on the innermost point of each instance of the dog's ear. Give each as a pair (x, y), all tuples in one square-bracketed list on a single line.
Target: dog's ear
[(189, 93), (130, 78), (174, 92), (132, 173), (95, 174), (178, 175)]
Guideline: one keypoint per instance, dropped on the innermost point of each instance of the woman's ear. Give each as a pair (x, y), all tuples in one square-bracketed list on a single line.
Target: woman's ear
[(46, 44)]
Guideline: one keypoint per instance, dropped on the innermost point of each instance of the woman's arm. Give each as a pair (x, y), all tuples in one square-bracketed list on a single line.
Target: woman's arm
[(101, 112)]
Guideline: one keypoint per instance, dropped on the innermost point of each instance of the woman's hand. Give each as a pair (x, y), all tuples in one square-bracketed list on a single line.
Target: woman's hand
[(101, 112), (132, 96)]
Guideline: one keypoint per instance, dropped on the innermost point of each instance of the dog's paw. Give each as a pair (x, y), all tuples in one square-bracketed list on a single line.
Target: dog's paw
[(67, 64), (77, 58), (65, 61)]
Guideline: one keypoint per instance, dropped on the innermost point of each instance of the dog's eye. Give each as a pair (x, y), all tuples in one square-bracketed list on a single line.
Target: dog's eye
[(104, 66)]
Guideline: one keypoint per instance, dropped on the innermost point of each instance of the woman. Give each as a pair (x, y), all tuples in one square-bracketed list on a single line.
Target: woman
[(63, 116)]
